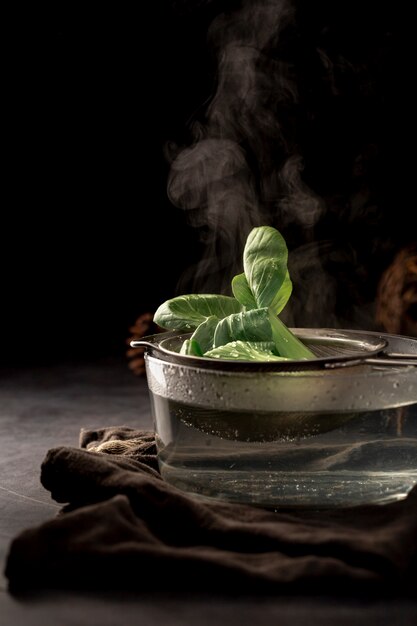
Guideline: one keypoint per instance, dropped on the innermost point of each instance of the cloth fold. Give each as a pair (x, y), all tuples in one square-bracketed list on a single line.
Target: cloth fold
[(122, 526)]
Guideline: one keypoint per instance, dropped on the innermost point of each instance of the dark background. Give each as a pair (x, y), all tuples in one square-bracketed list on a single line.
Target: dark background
[(89, 237)]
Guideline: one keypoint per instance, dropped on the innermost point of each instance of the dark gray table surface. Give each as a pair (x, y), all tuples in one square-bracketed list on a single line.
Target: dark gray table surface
[(47, 407)]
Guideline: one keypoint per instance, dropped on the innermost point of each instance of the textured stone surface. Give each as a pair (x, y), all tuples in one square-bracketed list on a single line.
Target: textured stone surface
[(48, 407)]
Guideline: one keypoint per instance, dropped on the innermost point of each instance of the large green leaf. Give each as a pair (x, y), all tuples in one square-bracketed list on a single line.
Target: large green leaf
[(246, 351), (261, 293), (282, 296), (251, 325), (286, 343), (265, 263), (187, 312), (261, 325), (190, 347), (204, 333)]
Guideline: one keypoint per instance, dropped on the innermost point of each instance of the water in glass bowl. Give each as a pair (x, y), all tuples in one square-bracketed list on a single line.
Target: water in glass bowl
[(287, 460)]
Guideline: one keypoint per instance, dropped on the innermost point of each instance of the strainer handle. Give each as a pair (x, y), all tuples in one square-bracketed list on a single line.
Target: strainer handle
[(390, 359)]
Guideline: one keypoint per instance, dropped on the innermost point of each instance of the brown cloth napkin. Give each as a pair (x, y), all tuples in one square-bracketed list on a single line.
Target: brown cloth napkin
[(123, 527)]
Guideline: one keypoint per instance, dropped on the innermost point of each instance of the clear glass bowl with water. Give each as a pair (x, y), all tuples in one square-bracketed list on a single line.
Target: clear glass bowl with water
[(287, 439)]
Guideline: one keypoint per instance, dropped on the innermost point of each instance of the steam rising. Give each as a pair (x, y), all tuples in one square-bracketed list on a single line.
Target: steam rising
[(244, 168), (212, 181)]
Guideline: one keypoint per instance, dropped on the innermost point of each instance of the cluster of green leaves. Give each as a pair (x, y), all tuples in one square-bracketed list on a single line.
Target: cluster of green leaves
[(246, 326)]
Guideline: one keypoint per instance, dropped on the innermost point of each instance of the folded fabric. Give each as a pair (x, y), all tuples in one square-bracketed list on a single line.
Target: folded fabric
[(122, 526)]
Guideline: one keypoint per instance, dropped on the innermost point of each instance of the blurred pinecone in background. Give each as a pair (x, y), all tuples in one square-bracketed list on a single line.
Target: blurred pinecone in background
[(143, 326), (396, 304)]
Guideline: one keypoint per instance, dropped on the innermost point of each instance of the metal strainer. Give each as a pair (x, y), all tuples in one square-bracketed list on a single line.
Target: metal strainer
[(333, 348)]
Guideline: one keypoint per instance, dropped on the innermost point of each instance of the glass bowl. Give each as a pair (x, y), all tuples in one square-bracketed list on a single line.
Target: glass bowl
[(284, 439)]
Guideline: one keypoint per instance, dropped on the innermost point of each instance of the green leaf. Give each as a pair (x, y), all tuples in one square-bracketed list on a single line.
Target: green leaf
[(286, 343), (242, 292), (265, 263), (246, 351), (251, 325), (187, 312), (251, 317), (282, 296), (190, 347), (204, 334), (261, 325)]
